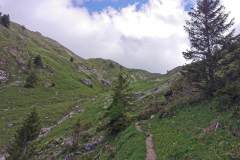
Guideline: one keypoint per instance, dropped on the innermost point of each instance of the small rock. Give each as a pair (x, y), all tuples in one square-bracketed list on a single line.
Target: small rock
[(2, 157), (90, 146), (87, 82), (9, 125), (3, 76), (44, 131), (106, 83), (49, 84), (105, 107), (18, 83), (68, 142)]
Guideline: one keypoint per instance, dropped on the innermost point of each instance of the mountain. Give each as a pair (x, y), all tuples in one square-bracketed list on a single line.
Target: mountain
[(166, 112), (62, 82)]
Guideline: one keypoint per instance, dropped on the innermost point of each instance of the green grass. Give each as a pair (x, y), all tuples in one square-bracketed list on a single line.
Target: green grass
[(130, 145), (181, 137), (51, 103), (176, 138)]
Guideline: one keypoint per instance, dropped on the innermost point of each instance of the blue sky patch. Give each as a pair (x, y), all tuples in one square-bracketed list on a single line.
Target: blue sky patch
[(188, 4), (99, 5)]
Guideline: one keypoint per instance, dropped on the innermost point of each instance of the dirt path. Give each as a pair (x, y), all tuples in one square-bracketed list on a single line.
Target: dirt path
[(151, 154)]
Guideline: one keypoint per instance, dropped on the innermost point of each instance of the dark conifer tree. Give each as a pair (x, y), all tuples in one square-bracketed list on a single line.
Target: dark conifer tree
[(71, 59), (116, 112), (5, 20), (38, 61), (209, 31), (21, 147), (31, 80)]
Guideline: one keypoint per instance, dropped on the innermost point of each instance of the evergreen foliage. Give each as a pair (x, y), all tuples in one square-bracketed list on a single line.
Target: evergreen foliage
[(22, 147), (38, 61), (31, 80), (5, 20), (228, 75), (208, 30), (71, 59), (116, 112)]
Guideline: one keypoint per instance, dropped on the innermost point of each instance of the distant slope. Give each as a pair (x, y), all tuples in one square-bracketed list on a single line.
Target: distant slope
[(110, 69)]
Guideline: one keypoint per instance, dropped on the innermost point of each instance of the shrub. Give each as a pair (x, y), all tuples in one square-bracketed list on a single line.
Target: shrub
[(235, 128), (31, 80), (5, 20), (38, 61), (21, 148), (117, 120), (71, 59), (228, 96), (111, 65), (117, 125)]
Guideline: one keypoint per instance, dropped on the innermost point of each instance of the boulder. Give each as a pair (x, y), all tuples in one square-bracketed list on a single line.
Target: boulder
[(2, 157), (105, 83), (3, 76), (92, 145), (9, 125), (49, 84), (44, 131), (87, 82), (68, 142)]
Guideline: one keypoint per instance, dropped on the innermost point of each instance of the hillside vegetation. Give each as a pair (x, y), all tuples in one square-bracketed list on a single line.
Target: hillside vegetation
[(97, 109)]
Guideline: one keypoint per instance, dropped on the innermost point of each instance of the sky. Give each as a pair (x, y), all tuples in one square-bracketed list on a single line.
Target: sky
[(144, 34)]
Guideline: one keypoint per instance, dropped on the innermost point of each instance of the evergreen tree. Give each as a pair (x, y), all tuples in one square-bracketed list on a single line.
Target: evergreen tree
[(116, 112), (71, 59), (5, 20), (31, 80), (208, 30), (38, 61), (21, 147)]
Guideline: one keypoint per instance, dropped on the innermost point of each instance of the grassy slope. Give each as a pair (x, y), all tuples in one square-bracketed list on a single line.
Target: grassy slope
[(182, 136), (52, 103), (179, 137), (130, 145)]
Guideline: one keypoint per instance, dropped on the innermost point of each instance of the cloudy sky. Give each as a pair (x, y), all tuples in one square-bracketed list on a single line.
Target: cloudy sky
[(146, 34)]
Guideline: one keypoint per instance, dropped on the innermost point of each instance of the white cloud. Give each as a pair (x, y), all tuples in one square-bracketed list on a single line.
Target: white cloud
[(233, 7), (151, 38)]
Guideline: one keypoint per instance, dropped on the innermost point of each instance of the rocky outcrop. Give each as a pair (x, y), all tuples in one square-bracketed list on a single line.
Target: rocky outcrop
[(93, 144), (45, 131), (3, 155), (3, 76)]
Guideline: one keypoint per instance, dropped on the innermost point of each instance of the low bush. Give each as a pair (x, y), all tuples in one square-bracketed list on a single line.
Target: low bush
[(31, 80)]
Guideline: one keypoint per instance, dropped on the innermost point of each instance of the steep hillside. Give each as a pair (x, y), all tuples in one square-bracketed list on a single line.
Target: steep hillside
[(63, 82), (167, 118)]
